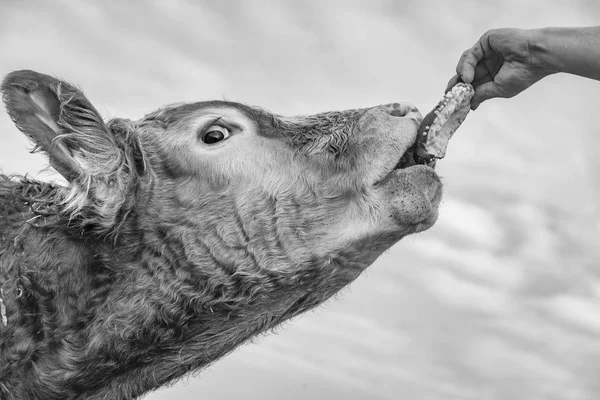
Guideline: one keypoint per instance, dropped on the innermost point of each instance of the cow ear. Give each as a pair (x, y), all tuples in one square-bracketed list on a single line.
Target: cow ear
[(33, 101), (62, 122)]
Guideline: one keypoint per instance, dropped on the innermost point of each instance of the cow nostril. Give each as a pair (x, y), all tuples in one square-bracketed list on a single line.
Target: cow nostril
[(401, 109)]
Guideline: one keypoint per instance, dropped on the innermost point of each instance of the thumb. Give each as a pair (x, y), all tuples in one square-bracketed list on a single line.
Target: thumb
[(483, 92)]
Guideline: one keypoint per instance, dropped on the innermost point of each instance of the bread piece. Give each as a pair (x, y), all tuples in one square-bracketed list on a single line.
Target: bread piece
[(440, 124)]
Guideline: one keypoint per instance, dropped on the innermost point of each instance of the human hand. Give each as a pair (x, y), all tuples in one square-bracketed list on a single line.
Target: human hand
[(502, 63)]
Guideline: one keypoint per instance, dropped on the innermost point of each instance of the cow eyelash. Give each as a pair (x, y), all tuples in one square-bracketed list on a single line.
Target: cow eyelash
[(214, 132)]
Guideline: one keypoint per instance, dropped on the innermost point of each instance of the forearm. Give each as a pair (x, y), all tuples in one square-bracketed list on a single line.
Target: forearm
[(571, 50)]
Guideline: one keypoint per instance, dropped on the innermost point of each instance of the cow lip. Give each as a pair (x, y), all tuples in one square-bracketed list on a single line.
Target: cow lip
[(410, 158)]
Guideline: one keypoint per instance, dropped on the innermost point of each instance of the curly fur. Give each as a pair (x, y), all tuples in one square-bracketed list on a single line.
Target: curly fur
[(140, 270)]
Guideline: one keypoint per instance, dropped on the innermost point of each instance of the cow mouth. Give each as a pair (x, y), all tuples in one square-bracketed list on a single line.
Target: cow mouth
[(410, 158)]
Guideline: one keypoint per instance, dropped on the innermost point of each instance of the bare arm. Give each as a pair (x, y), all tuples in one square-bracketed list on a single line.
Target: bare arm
[(504, 62), (571, 50)]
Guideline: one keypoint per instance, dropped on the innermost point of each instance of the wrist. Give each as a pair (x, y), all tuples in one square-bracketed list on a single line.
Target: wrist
[(540, 47)]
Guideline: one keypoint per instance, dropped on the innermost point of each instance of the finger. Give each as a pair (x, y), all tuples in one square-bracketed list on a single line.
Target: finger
[(452, 82), (468, 63), (484, 92), (461, 63), (482, 75)]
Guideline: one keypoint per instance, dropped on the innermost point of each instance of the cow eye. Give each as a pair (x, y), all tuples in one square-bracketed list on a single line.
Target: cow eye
[(215, 134)]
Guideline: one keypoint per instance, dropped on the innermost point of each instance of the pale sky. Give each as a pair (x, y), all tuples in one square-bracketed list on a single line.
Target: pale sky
[(500, 300)]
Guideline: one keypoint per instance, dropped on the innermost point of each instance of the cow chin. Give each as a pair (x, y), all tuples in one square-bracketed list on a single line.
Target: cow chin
[(413, 195)]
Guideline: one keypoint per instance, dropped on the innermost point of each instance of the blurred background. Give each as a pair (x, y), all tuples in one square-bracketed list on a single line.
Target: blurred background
[(500, 300)]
